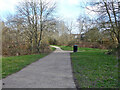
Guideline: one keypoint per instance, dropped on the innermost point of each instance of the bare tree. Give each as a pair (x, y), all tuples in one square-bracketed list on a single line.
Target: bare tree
[(84, 24), (35, 15), (108, 12)]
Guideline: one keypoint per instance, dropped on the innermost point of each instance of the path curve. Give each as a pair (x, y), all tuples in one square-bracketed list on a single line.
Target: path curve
[(52, 71)]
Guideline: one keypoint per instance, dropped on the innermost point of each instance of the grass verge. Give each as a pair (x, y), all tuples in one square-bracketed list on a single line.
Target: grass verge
[(53, 49), (95, 70), (92, 68), (68, 48), (13, 64)]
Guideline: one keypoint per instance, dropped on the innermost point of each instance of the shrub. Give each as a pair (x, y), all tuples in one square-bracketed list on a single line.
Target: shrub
[(71, 43), (53, 41), (44, 47)]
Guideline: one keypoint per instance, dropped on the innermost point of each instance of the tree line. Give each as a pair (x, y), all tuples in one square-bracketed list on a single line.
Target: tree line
[(106, 27), (34, 27)]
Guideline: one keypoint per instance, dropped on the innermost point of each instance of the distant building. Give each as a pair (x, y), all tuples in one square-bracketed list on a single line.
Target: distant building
[(78, 36)]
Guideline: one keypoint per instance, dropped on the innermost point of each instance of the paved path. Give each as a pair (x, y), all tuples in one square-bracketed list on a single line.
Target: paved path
[(52, 71)]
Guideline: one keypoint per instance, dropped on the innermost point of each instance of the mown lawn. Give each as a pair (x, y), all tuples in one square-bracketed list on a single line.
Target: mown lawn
[(52, 48), (68, 48), (13, 64), (92, 68)]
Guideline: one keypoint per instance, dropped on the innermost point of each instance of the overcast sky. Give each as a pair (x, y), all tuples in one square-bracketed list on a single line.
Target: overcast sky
[(66, 9)]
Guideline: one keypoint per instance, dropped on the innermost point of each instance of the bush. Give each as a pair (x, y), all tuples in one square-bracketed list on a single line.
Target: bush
[(53, 41), (91, 45), (71, 43), (44, 47)]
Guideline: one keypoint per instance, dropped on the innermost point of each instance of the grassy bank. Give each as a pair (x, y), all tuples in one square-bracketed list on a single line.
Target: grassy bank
[(68, 48), (92, 68), (52, 48), (13, 64), (95, 69)]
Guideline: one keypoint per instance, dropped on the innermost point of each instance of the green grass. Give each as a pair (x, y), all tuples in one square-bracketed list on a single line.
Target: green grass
[(53, 49), (15, 63), (92, 68), (68, 48), (95, 69)]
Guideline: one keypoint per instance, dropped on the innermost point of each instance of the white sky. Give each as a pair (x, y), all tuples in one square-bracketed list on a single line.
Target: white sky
[(66, 9), (7, 5)]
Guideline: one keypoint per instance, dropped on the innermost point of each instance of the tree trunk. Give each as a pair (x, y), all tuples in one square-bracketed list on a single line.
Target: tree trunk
[(40, 39), (31, 46), (118, 51), (41, 26)]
